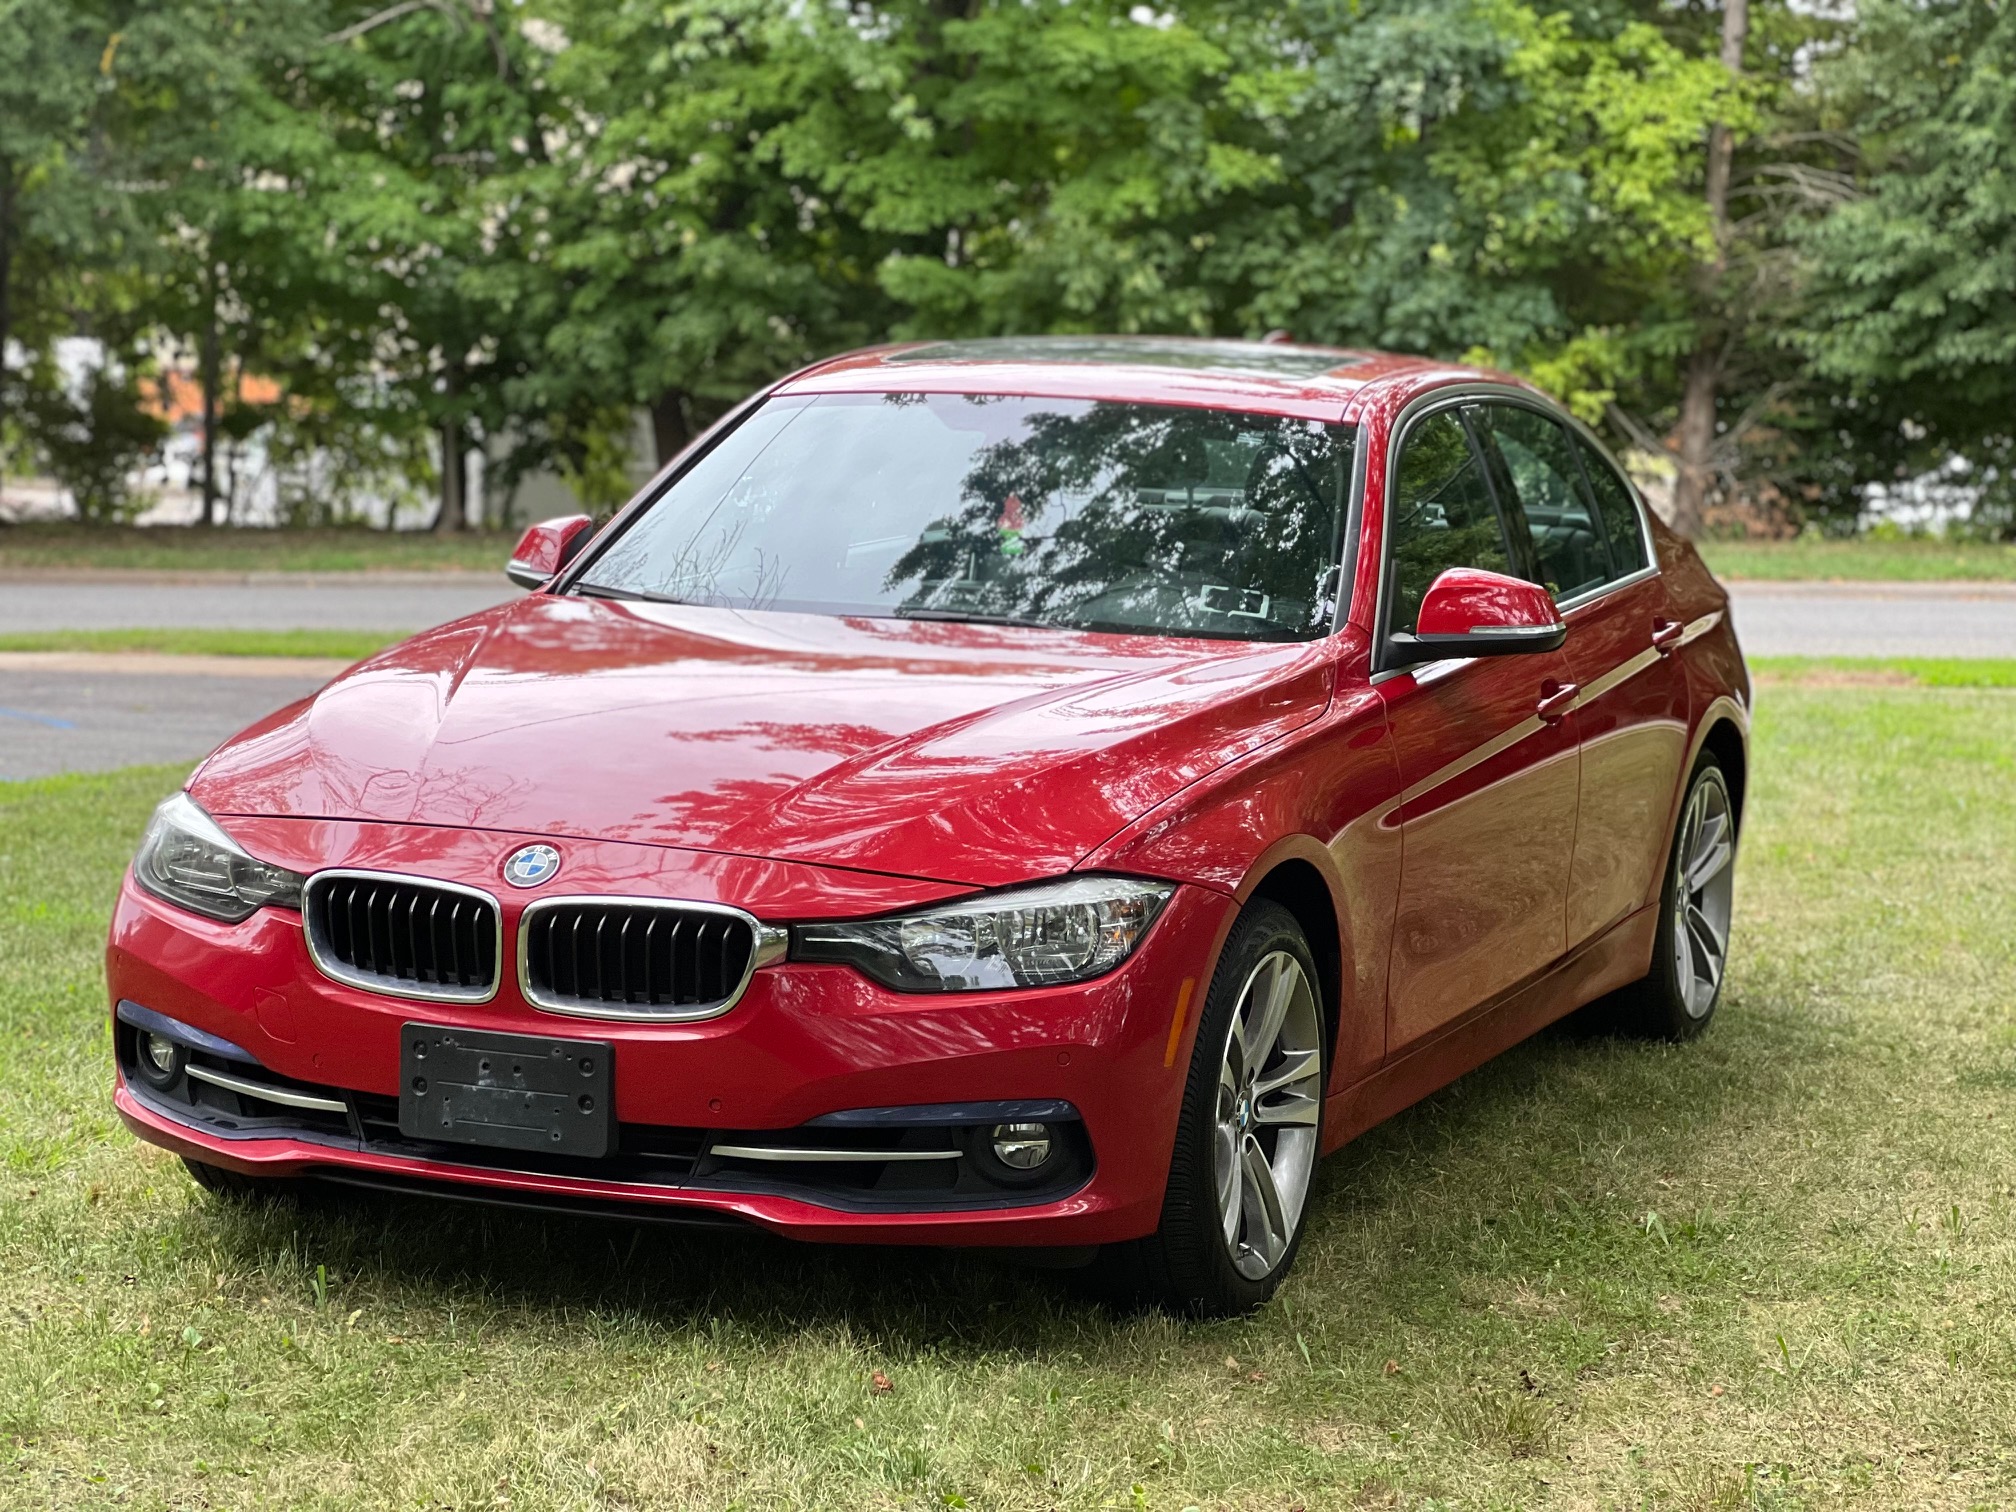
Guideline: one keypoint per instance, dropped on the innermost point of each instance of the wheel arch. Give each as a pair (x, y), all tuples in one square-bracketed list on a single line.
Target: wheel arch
[(1726, 741), (1298, 874)]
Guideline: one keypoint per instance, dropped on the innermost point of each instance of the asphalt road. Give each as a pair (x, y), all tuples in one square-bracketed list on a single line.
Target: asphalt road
[(70, 714), (262, 602), (95, 713), (1875, 619)]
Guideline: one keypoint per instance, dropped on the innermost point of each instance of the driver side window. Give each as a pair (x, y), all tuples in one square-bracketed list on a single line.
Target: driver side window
[(1443, 516)]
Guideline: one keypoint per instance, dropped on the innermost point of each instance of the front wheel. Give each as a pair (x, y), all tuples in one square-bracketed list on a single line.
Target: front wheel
[(1678, 996), (1247, 1140)]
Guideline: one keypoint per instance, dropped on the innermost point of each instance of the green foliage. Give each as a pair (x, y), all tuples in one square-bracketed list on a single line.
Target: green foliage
[(1913, 297), (92, 434), (515, 226)]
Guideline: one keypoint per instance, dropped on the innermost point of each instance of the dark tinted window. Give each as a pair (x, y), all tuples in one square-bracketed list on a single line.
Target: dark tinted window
[(1618, 509), (1090, 514), (1539, 461), (1443, 516)]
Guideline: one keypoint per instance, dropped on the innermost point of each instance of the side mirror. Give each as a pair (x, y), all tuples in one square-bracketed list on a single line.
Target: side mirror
[(1468, 612), (547, 547)]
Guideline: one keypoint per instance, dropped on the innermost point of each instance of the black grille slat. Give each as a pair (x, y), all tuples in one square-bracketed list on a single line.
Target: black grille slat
[(395, 934), (633, 956)]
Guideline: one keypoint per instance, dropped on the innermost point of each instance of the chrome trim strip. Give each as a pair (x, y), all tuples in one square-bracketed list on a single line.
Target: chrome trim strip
[(1603, 590), (1429, 673), (336, 971), (1623, 672), (264, 1093), (1700, 627), (772, 942), (826, 1156), (1476, 756)]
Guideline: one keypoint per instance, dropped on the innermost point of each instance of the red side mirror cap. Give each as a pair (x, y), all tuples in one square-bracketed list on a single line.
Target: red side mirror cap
[(1469, 612), (547, 547)]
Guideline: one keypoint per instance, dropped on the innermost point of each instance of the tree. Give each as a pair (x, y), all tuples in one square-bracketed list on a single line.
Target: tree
[(50, 63), (1912, 305)]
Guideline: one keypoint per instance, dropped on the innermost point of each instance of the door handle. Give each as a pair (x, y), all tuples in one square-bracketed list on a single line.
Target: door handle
[(1666, 636), (1553, 707)]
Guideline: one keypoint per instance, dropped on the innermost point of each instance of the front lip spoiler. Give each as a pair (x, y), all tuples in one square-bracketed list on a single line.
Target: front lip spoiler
[(308, 1154), (559, 1205)]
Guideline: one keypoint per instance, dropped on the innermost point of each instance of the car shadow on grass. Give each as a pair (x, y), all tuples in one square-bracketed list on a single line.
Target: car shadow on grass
[(1536, 1160)]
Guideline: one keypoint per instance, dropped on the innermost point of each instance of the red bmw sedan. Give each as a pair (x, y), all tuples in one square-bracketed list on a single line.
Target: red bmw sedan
[(1018, 793)]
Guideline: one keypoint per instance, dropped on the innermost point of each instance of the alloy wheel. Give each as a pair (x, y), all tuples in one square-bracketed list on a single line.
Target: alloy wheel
[(1270, 1091), (1703, 892)]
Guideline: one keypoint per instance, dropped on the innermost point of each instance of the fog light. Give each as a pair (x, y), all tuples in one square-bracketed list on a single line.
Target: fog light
[(1021, 1146), (160, 1061)]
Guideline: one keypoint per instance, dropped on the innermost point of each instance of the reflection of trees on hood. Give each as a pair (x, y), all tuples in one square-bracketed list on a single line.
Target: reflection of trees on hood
[(1159, 494)]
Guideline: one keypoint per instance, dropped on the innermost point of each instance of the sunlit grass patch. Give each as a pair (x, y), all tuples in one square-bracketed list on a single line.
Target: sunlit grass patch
[(1896, 671), (341, 645), (1865, 560), (72, 547)]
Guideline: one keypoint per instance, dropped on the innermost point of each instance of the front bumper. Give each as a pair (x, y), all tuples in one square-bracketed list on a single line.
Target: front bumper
[(804, 1042)]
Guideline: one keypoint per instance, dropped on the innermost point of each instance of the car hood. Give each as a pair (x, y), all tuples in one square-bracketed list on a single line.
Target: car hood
[(961, 753)]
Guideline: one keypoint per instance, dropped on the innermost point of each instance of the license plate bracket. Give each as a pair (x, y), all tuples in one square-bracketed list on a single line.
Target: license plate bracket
[(507, 1091)]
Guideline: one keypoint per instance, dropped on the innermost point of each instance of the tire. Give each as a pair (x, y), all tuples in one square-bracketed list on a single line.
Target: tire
[(1231, 1112), (1677, 999)]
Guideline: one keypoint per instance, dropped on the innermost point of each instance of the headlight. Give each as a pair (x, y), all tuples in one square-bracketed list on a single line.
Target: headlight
[(1032, 937), (188, 861)]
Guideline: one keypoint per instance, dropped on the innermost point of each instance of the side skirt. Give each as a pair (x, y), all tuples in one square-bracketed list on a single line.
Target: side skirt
[(1614, 959)]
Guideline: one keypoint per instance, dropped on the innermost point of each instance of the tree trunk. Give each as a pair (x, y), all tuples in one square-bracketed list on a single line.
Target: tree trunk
[(6, 280), (1694, 484), (454, 511), (671, 423), (210, 383)]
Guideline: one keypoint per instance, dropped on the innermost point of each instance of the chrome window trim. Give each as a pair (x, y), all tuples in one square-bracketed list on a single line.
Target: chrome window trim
[(336, 971), (1421, 407), (772, 941)]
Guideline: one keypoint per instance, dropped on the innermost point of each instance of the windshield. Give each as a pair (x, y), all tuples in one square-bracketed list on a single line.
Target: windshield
[(1081, 513)]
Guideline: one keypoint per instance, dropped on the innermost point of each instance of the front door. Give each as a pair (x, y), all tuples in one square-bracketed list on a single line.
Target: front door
[(1487, 753), (1592, 552)]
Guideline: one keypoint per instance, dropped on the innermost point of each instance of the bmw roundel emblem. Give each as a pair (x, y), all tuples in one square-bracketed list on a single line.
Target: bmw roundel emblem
[(531, 866)]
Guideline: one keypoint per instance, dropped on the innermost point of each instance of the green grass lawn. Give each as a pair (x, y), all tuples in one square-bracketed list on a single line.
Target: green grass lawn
[(347, 645), (27, 548), (1772, 1269), (1863, 560)]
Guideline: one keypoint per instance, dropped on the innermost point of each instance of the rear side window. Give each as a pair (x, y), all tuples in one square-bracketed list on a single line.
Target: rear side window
[(1618, 509), (1443, 516)]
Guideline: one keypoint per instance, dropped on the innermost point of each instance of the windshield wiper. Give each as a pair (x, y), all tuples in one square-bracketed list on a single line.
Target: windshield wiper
[(970, 617), (625, 595)]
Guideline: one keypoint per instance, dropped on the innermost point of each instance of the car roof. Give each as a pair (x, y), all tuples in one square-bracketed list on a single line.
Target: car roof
[(1306, 382)]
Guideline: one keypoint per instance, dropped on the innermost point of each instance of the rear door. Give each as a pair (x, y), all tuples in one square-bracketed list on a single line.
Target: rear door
[(1591, 550), (1489, 787)]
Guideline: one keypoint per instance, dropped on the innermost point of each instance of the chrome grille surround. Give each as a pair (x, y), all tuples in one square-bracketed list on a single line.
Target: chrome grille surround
[(316, 916), (766, 944)]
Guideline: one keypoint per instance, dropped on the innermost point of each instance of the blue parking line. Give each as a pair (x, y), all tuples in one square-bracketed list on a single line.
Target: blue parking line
[(41, 719)]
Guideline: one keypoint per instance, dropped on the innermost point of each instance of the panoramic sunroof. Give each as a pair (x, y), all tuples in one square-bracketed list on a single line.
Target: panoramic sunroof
[(1139, 351)]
